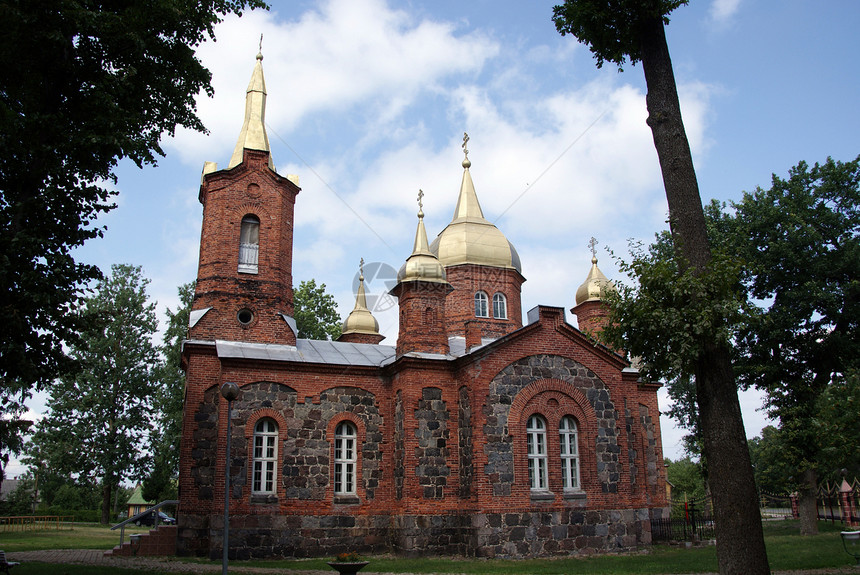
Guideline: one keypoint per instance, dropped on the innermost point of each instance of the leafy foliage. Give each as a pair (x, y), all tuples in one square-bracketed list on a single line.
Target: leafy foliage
[(168, 402), (774, 472), (801, 243), (687, 479), (99, 420), (611, 29), (315, 312), (838, 427), (83, 85)]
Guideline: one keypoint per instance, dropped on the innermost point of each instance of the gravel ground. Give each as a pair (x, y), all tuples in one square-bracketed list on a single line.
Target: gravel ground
[(96, 557)]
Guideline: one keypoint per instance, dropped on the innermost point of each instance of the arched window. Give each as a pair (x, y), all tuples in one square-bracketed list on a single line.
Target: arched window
[(345, 458), (500, 306), (265, 456), (569, 446), (249, 244), (481, 305), (536, 436)]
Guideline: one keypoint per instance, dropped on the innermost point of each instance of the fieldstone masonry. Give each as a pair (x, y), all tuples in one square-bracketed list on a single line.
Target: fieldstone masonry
[(432, 451), (511, 380)]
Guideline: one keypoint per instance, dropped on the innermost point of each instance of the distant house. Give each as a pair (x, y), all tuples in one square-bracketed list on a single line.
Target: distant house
[(136, 503), (7, 487)]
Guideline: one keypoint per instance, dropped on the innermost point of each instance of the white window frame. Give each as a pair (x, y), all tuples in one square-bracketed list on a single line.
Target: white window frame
[(568, 436), (537, 453), (481, 305), (249, 244), (500, 306), (265, 460), (345, 458)]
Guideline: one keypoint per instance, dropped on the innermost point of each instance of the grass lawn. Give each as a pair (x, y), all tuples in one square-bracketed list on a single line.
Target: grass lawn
[(786, 550)]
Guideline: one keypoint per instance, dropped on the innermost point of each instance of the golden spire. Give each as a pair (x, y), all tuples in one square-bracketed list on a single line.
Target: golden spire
[(470, 238), (360, 320), (422, 264), (253, 135), (468, 207), (596, 285)]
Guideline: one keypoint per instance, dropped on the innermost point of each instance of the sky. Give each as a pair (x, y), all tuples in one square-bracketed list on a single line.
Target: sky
[(368, 101)]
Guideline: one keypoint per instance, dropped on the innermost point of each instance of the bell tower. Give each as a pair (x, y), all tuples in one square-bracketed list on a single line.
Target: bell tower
[(244, 280)]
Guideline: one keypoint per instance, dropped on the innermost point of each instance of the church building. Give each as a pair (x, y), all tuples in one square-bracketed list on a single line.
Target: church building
[(476, 433)]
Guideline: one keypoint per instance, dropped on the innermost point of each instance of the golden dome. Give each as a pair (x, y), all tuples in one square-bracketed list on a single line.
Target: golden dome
[(422, 265), (470, 238), (596, 285), (360, 320)]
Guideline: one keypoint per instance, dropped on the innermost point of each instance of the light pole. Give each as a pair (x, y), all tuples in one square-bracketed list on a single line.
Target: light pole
[(229, 391)]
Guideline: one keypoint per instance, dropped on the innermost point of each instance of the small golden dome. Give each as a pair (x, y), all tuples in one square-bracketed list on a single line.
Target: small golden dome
[(470, 238), (422, 265), (596, 285), (360, 320)]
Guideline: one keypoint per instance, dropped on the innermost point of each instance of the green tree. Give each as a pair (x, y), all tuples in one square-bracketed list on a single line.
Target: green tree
[(839, 427), (83, 84), (800, 241), (687, 479), (159, 483), (98, 421), (618, 31), (315, 312), (774, 473)]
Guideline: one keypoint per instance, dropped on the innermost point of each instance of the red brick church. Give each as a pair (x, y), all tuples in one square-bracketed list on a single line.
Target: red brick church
[(475, 435)]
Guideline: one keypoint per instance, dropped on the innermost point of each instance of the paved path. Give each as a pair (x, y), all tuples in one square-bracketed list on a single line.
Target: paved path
[(170, 564), (155, 564)]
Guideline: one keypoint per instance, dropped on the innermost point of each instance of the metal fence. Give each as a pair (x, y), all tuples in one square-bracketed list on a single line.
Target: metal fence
[(687, 521), (693, 520), (838, 502), (35, 522)]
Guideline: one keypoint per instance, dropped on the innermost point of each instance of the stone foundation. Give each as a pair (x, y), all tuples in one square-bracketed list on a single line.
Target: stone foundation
[(515, 535)]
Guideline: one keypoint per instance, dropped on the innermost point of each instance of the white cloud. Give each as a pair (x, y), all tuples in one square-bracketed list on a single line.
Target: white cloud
[(723, 10), (358, 55)]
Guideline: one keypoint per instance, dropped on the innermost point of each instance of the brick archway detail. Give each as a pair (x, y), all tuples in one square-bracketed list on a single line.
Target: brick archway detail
[(549, 389)]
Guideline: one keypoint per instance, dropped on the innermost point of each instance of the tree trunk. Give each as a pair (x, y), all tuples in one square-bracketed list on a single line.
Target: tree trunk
[(106, 490), (740, 540), (807, 504)]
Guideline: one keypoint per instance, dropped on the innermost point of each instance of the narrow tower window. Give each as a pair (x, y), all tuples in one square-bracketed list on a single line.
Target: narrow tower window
[(344, 459), (567, 436), (500, 306), (265, 456), (536, 436), (249, 244), (481, 305)]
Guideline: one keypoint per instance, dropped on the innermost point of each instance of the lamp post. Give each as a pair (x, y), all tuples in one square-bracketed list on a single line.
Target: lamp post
[(229, 391)]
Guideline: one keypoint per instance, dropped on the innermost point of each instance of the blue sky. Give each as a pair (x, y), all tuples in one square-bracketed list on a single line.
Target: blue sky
[(368, 101)]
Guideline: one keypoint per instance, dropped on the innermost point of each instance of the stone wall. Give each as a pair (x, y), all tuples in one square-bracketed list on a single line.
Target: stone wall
[(432, 451), (516, 534)]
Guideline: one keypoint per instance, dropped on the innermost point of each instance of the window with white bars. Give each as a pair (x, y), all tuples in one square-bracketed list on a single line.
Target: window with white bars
[(265, 456), (500, 306), (569, 447), (345, 458), (481, 305), (536, 436), (249, 244)]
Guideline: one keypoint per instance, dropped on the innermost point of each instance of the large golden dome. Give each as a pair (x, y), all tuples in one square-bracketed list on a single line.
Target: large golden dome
[(472, 239)]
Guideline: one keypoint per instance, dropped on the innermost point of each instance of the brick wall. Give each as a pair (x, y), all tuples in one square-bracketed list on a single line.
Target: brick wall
[(250, 188), (468, 279)]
